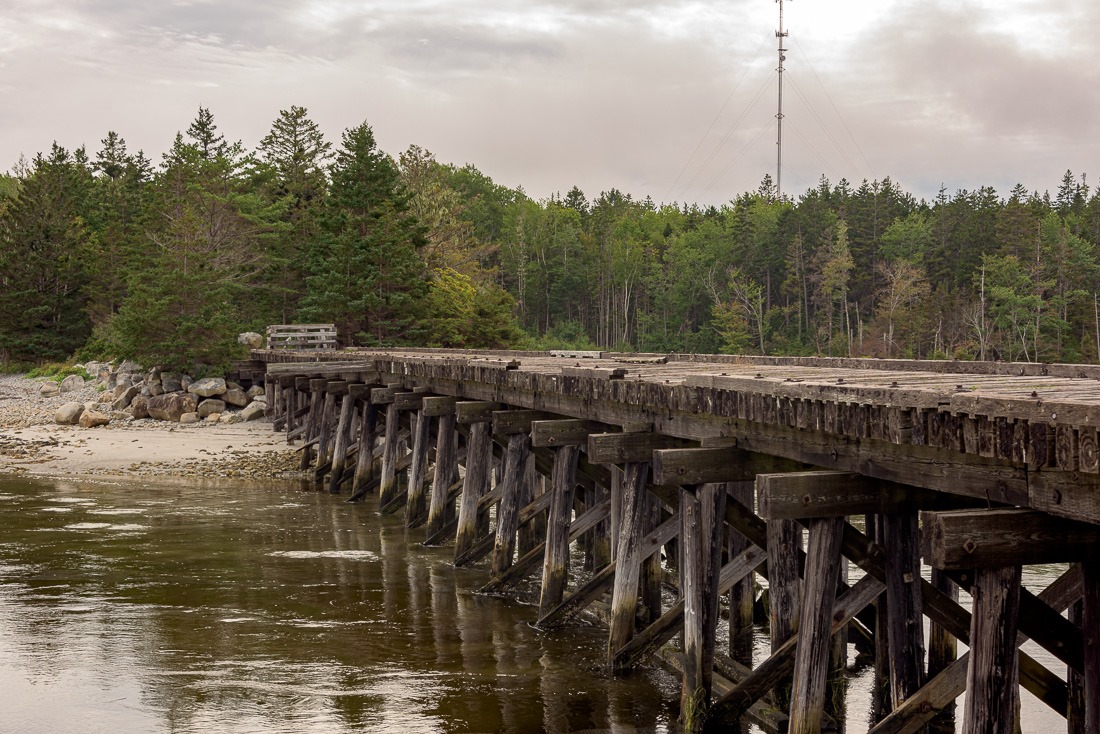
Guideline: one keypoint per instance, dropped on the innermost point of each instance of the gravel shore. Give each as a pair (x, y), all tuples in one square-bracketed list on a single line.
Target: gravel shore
[(32, 444)]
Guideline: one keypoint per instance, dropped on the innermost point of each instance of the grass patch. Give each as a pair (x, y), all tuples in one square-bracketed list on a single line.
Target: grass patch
[(57, 371)]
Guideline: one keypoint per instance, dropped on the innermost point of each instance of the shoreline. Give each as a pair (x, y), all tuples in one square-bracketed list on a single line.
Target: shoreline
[(31, 444)]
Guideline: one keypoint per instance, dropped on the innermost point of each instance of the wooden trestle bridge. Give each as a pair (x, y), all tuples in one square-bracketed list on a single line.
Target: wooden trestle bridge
[(689, 474)]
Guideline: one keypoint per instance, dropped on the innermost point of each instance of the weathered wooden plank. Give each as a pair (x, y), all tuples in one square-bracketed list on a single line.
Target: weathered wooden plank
[(993, 674), (571, 432), (795, 495), (516, 421), (942, 652), (436, 406), (475, 411), (811, 666), (712, 465), (784, 543), (995, 538), (623, 448), (741, 594), (340, 451)]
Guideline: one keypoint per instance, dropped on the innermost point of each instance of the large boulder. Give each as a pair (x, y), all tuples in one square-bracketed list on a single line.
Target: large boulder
[(72, 383), (68, 414), (139, 407), (253, 411), (122, 384), (209, 406), (171, 381), (208, 387), (127, 397), (255, 391), (93, 418), (170, 406), (236, 397), (251, 339), (49, 389)]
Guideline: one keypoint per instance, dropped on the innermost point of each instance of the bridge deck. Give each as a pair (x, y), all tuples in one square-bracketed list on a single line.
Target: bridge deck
[(1024, 434)]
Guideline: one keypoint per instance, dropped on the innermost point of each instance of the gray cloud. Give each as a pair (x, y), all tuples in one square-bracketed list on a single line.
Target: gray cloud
[(598, 94)]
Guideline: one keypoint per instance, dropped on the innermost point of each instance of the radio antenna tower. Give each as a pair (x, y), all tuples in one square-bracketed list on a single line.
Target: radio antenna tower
[(780, 35)]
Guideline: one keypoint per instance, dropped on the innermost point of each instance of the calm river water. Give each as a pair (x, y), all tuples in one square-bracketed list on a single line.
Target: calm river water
[(226, 608)]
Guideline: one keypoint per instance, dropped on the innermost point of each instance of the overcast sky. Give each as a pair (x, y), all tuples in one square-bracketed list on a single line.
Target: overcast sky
[(676, 100)]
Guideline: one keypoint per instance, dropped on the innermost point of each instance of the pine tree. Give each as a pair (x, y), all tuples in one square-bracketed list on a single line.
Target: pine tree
[(42, 236), (367, 276)]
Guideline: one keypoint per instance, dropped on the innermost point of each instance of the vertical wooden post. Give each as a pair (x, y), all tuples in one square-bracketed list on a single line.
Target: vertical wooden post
[(555, 567), (515, 467), (741, 593), (1090, 626), (416, 501), (616, 514), (903, 600), (811, 668), (784, 538), (364, 465), (628, 566), (388, 487), (340, 451), (531, 533), (445, 474), (290, 406), (271, 394), (652, 571), (837, 684), (881, 704), (479, 453), (943, 650), (1075, 715), (324, 445), (313, 420), (702, 509), (992, 675)]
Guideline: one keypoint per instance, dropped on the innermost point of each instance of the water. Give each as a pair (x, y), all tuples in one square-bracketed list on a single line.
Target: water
[(145, 608)]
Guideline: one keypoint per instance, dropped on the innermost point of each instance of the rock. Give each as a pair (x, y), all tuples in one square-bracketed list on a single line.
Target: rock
[(189, 418), (156, 389), (122, 384), (68, 414), (236, 397), (251, 339), (124, 400), (210, 406), (253, 411), (255, 391), (93, 418), (152, 377), (106, 398), (121, 415), (230, 385), (213, 417), (208, 387), (49, 389), (72, 383), (129, 366), (171, 381), (186, 382), (140, 407), (170, 406), (230, 418)]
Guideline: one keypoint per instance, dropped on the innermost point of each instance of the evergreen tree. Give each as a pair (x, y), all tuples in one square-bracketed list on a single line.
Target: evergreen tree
[(42, 236), (367, 276)]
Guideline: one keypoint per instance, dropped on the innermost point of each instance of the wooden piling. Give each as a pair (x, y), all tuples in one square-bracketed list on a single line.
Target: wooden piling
[(702, 510), (811, 668), (741, 594), (445, 472), (784, 590), (992, 679), (343, 433), (903, 599), (515, 467), (475, 483), (416, 504), (624, 594), (555, 567)]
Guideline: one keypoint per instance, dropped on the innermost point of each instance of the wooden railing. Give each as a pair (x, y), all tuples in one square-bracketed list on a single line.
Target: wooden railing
[(301, 336)]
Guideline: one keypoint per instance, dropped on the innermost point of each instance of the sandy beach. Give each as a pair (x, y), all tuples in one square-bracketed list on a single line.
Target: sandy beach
[(31, 444)]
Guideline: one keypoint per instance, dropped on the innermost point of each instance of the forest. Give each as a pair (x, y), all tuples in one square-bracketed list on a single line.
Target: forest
[(107, 254)]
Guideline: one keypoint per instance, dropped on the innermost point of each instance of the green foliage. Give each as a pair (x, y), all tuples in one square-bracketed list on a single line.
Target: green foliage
[(57, 371), (366, 275), (42, 237)]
